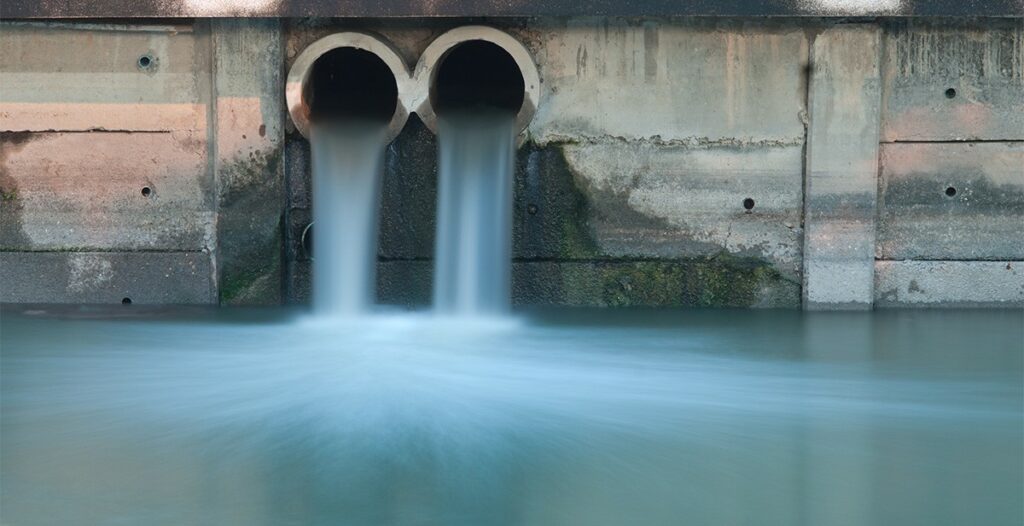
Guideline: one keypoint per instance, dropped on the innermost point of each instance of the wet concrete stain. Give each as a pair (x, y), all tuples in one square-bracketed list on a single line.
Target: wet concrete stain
[(12, 233)]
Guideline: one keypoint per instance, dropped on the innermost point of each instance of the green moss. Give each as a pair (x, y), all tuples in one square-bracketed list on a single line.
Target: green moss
[(721, 281), (253, 276), (250, 178), (576, 241), (249, 231), (8, 195)]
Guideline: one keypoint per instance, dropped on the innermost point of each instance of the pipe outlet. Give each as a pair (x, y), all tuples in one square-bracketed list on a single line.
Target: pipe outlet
[(476, 66), (348, 76)]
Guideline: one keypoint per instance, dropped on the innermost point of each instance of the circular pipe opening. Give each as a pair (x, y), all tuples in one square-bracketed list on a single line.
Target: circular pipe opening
[(348, 76), (476, 66), (477, 74), (348, 83)]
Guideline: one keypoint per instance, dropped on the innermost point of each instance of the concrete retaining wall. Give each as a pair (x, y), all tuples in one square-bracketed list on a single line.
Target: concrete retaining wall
[(683, 162)]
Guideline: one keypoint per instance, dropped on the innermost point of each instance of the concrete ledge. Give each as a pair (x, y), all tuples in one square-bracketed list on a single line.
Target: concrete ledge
[(949, 284), (107, 277)]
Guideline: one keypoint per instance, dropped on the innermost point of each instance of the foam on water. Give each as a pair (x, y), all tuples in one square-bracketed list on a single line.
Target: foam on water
[(347, 163), (473, 255)]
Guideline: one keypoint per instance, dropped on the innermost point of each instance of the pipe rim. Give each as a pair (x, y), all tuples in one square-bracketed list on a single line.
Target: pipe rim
[(437, 51), (301, 69)]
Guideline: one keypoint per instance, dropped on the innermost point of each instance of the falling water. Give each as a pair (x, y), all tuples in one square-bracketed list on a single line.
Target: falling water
[(347, 161), (473, 251)]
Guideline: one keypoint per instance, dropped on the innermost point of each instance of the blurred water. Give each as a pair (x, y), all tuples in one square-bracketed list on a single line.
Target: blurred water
[(474, 213), (347, 162), (575, 417)]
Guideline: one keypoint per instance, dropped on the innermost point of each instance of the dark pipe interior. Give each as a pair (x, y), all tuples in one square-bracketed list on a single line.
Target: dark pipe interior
[(475, 74), (349, 83)]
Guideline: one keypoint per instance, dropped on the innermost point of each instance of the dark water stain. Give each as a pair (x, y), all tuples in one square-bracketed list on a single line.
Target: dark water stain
[(12, 233)]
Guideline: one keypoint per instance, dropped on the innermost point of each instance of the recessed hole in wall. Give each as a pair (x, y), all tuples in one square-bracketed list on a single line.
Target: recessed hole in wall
[(950, 93), (748, 203), (146, 191), (477, 73), (126, 301), (145, 61), (531, 209), (350, 83), (950, 191)]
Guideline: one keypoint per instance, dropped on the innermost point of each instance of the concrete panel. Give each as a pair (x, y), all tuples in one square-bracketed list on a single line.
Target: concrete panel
[(105, 191), (842, 161), (652, 201), (688, 82), (954, 80), (951, 201), (106, 277), (949, 284), (249, 169), (58, 78)]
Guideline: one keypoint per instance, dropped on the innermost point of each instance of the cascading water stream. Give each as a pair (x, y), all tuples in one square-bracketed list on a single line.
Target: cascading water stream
[(474, 226), (347, 163)]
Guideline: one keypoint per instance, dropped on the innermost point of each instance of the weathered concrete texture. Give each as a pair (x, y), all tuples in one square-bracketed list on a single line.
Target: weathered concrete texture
[(409, 195), (106, 277), (657, 174), (949, 283), (685, 81), (249, 170), (954, 80), (842, 161), (951, 201), (559, 216), (59, 78), (712, 282), (105, 191), (647, 200), (104, 151)]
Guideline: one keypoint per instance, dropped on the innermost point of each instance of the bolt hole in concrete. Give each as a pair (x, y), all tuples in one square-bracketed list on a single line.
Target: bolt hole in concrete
[(950, 93), (349, 83), (126, 301), (145, 61), (748, 204), (146, 191), (950, 191)]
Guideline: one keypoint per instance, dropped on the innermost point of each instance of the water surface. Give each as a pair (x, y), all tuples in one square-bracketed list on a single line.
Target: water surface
[(558, 417)]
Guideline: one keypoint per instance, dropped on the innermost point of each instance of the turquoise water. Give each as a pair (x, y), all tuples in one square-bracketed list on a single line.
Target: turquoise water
[(129, 416)]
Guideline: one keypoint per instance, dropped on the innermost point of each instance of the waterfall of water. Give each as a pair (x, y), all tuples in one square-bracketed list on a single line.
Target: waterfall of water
[(473, 249), (347, 163)]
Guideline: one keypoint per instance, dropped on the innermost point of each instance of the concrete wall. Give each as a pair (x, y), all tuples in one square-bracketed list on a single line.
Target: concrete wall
[(651, 140)]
